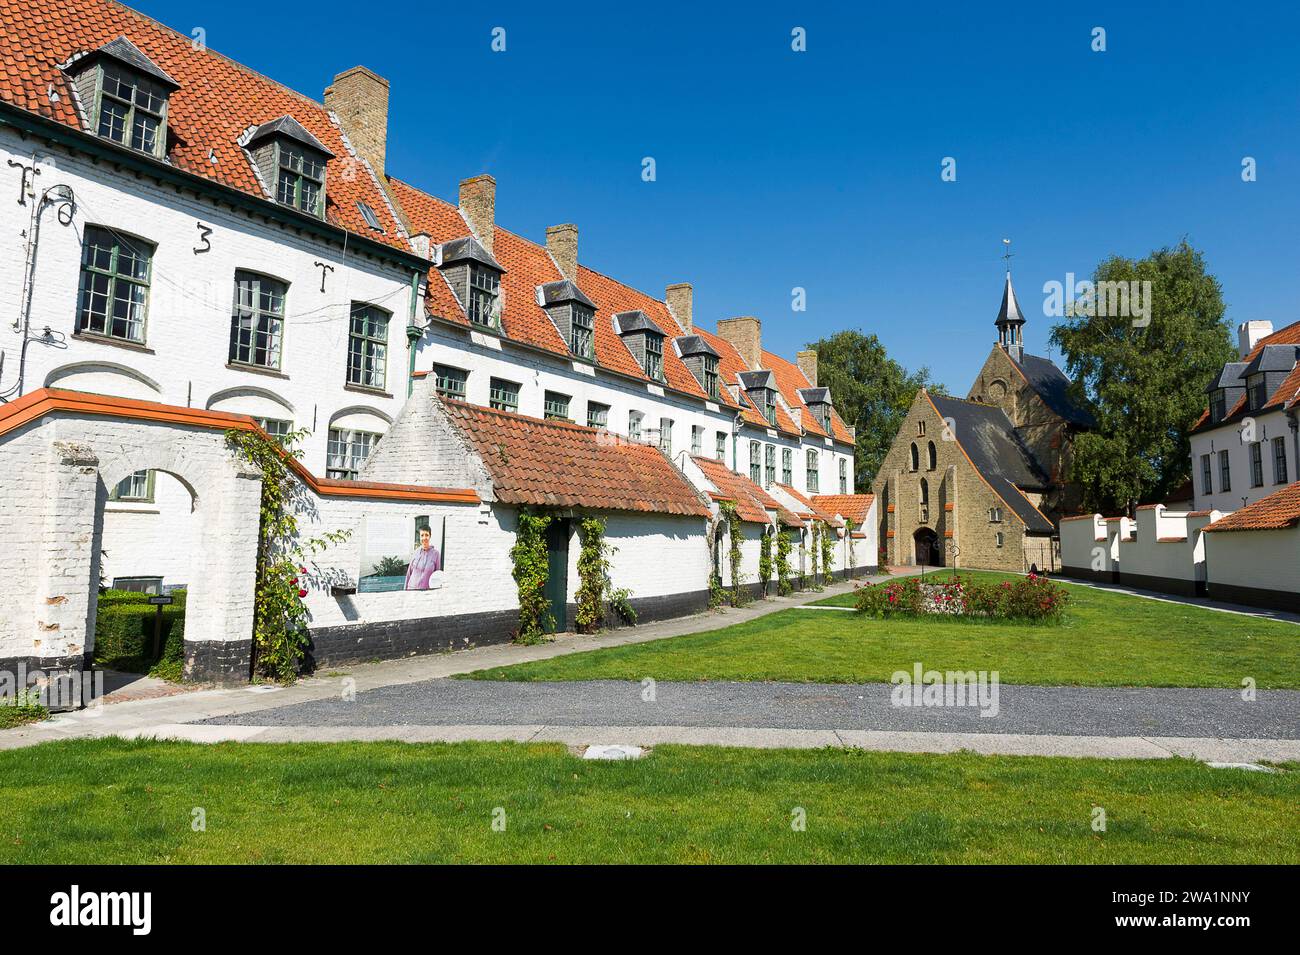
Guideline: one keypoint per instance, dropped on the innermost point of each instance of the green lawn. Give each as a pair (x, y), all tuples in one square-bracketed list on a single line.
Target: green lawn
[(113, 801), (1107, 639)]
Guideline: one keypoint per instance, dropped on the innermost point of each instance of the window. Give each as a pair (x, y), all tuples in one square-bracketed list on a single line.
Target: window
[(1225, 472), (1279, 461), (925, 499), (755, 463), (844, 476), (132, 111), (1218, 405), (582, 330), (813, 480), (114, 285), (597, 415), (697, 439), (997, 538), (278, 428), (503, 395), (301, 179), (787, 467), (347, 452), (484, 292), (368, 346), (634, 419), (666, 436), (720, 446), (555, 406), (711, 376), (769, 464), (450, 382), (368, 214), (257, 323), (920, 429), (916, 457), (769, 405), (1207, 482), (931, 458), (1257, 464), (137, 487), (1258, 392), (654, 356), (995, 515)]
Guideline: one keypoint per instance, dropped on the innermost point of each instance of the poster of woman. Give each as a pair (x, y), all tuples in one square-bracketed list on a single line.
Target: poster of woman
[(427, 559), (400, 554)]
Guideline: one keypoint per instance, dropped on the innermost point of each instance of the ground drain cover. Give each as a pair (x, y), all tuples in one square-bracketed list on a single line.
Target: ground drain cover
[(617, 751)]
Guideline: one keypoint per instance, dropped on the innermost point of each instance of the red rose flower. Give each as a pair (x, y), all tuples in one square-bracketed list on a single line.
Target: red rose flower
[(302, 593)]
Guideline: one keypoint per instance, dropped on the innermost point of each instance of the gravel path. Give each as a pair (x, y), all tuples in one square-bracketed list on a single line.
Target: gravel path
[(1066, 711)]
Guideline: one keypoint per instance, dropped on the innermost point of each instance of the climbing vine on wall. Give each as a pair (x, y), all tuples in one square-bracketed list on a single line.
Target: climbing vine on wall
[(783, 585), (530, 573), (728, 513), (849, 528), (828, 553), (279, 614), (596, 591), (765, 560), (815, 556)]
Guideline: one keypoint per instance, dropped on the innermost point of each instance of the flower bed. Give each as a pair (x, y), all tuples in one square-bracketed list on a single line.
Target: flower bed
[(1030, 598)]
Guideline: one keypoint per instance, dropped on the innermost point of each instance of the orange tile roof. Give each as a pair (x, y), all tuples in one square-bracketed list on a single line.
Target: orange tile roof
[(558, 464), (1280, 509), (752, 502), (811, 509), (217, 102), (730, 364), (1287, 394), (853, 506), (789, 379)]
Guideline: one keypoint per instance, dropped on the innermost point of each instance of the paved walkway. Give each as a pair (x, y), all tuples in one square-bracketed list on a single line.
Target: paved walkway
[(1204, 602)]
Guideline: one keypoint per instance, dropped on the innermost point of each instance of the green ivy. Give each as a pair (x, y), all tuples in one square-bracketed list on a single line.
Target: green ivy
[(728, 513), (765, 561), (849, 528), (828, 553), (530, 572), (783, 585), (717, 596), (279, 614)]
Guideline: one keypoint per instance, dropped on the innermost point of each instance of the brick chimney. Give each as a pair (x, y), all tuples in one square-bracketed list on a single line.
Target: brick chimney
[(808, 365), (562, 243), (1249, 335), (478, 203), (744, 333), (359, 98), (680, 299)]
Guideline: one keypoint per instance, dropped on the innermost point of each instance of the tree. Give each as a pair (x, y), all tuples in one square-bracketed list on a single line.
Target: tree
[(872, 393), (1144, 373)]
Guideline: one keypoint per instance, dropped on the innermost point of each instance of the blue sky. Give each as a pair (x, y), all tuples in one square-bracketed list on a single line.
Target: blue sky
[(821, 169)]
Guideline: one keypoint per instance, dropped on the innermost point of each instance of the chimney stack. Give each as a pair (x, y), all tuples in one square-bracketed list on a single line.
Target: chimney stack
[(680, 299), (744, 333), (562, 243), (478, 203), (1249, 335), (359, 98), (808, 365)]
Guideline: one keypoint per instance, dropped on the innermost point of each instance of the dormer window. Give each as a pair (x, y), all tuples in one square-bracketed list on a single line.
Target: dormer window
[(654, 356), (126, 94), (1258, 392), (769, 405), (484, 293), (291, 162), (1218, 405), (582, 332), (711, 376), (644, 339)]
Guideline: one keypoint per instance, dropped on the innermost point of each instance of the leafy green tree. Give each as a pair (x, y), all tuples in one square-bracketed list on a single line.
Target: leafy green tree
[(1144, 375), (872, 393)]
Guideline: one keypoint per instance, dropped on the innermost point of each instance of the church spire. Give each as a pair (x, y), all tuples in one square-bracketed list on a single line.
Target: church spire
[(1010, 319)]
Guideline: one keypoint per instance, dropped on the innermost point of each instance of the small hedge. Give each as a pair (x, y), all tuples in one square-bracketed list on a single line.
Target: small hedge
[(1031, 598), (124, 626)]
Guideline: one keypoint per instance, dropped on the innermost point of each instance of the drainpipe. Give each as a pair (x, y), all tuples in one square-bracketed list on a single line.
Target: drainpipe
[(413, 334), (735, 443)]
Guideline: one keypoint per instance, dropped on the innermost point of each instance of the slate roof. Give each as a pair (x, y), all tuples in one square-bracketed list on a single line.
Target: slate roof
[(1051, 384), (989, 440), (853, 506), (1009, 313), (1272, 358), (1286, 395), (752, 502), (1280, 509), (558, 464), (1228, 377), (288, 126), (216, 101)]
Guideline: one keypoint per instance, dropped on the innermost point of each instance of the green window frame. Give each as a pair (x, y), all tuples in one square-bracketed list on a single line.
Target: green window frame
[(654, 356), (368, 346), (1207, 471), (257, 320), (555, 406), (697, 439), (666, 436), (1256, 464), (1279, 461), (1225, 472), (484, 294), (711, 376), (634, 419), (137, 487), (450, 382), (115, 277), (132, 111), (769, 464), (503, 395), (814, 462), (278, 428), (769, 405), (582, 332), (597, 415), (844, 475), (347, 452), (720, 446), (787, 467), (300, 178), (755, 462)]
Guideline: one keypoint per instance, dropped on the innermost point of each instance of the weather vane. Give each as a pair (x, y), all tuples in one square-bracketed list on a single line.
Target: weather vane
[(1007, 254)]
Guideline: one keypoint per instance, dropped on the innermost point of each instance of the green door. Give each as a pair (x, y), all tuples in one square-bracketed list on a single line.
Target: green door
[(557, 572)]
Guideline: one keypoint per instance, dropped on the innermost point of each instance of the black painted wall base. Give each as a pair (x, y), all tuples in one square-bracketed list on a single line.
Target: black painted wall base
[(1254, 597), (218, 661), (30, 665), (355, 643), (1163, 585), (1087, 573)]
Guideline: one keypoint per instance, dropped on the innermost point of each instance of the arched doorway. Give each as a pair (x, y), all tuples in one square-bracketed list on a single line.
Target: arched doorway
[(926, 547)]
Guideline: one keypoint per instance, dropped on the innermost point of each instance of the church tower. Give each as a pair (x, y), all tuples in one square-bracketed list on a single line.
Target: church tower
[(1010, 323)]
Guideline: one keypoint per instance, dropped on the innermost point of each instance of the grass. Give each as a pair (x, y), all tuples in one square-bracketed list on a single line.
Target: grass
[(1107, 639), (117, 801), (27, 708)]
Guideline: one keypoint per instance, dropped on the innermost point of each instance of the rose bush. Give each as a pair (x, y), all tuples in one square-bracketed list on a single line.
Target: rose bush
[(1030, 598)]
